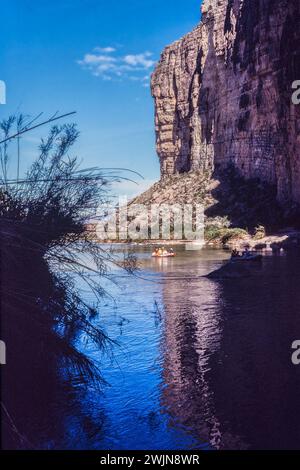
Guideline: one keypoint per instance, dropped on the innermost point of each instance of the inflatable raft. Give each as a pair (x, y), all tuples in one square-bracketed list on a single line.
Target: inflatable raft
[(167, 255)]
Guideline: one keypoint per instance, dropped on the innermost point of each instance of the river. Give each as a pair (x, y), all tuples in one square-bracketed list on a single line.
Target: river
[(200, 363)]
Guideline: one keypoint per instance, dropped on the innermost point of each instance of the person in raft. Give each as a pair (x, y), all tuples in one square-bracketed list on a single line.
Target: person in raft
[(235, 253), (161, 252), (246, 252), (157, 252)]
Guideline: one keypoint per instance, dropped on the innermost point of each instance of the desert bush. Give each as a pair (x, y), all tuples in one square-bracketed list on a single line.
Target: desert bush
[(260, 232), (224, 235), (45, 247)]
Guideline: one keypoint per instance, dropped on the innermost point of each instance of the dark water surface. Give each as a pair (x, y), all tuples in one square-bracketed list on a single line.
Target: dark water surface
[(201, 363)]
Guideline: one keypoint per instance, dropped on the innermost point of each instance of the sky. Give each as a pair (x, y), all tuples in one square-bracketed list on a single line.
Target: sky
[(94, 57)]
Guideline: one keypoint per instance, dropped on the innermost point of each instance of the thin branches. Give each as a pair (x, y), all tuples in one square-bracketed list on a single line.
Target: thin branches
[(27, 128), (43, 219)]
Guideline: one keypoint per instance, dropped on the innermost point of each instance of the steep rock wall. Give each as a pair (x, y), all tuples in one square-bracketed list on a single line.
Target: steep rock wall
[(223, 94)]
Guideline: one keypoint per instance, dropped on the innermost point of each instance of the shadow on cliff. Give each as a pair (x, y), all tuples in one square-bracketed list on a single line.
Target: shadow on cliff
[(248, 203)]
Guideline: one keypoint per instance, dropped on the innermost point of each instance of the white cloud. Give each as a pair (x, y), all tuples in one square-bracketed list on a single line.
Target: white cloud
[(105, 50), (105, 63), (91, 59), (140, 60)]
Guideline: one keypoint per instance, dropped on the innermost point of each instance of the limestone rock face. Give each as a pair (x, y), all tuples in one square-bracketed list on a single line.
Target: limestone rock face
[(223, 94)]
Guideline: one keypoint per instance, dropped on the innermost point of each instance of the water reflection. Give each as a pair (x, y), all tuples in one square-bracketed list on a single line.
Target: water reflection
[(201, 363), (192, 336), (227, 365), (257, 384)]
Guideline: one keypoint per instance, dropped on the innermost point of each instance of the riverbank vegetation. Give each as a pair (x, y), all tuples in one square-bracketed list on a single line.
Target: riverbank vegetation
[(45, 250)]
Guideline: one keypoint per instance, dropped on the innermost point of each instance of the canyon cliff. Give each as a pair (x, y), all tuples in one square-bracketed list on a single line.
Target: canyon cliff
[(223, 95)]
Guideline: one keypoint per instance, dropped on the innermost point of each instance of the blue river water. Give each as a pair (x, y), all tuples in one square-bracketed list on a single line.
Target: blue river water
[(199, 363)]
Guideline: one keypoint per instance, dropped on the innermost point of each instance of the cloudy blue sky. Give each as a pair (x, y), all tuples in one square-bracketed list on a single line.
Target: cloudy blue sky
[(95, 57)]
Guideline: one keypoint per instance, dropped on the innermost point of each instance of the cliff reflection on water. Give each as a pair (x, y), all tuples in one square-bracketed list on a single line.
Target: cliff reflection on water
[(227, 380), (201, 363), (227, 362)]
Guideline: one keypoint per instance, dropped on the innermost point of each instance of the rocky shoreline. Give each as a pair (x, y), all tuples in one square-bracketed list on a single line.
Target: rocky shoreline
[(282, 240), (285, 239)]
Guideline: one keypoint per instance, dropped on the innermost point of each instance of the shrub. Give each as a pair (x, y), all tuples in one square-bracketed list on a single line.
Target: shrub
[(260, 232), (45, 246), (224, 235)]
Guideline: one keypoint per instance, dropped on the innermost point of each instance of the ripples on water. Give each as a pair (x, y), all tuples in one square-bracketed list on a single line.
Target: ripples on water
[(200, 363)]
